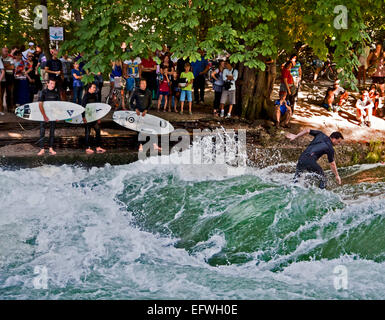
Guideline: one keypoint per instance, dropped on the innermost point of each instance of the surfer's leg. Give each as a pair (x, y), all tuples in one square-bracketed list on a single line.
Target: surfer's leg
[(41, 140), (315, 168), (98, 140), (52, 137), (87, 130), (42, 134)]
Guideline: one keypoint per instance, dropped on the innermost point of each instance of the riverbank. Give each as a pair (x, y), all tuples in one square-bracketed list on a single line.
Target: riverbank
[(266, 145)]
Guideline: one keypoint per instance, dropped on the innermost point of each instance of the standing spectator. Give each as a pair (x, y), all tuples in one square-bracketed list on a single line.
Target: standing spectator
[(29, 50), (132, 72), (230, 75), (67, 68), (166, 62), (2, 86), (376, 69), (77, 84), (42, 61), (188, 78), (99, 82), (9, 66), (48, 94), (30, 73), (374, 96), (180, 65), (21, 82), (163, 88), (364, 108), (287, 82), (296, 72), (91, 97), (200, 68), (174, 90), (37, 85), (149, 73), (54, 68), (116, 72), (363, 65), (217, 76)]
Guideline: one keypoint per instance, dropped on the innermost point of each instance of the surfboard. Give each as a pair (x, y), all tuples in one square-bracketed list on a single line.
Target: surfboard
[(148, 124), (55, 110), (94, 112)]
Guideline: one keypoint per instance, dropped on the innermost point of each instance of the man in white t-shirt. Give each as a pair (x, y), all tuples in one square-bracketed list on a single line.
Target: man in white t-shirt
[(132, 69), (364, 108), (29, 50)]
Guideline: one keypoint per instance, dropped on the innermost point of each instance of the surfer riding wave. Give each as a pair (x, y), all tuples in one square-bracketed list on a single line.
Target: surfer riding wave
[(321, 144)]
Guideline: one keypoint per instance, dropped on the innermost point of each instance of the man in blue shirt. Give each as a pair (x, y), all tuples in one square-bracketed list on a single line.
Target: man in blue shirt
[(200, 68)]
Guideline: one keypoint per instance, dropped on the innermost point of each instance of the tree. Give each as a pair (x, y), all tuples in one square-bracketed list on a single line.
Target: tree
[(251, 31)]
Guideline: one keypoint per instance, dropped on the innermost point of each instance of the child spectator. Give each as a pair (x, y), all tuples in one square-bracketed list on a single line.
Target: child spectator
[(186, 93), (164, 89), (174, 90), (77, 84)]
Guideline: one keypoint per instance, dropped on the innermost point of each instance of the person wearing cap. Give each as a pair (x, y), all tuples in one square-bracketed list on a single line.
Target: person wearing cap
[(332, 95), (28, 51)]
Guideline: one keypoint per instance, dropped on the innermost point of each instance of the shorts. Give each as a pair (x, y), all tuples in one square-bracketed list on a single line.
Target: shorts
[(186, 94), (130, 84), (378, 80), (228, 95), (283, 88), (163, 93)]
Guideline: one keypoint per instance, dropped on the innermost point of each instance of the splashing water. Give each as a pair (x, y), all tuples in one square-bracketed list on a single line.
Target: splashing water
[(178, 231)]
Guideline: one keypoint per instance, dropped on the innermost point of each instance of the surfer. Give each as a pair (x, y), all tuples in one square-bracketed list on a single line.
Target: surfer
[(141, 101), (49, 94), (91, 97), (321, 144)]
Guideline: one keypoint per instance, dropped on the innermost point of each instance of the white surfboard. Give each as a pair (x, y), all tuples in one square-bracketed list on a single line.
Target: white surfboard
[(55, 110), (94, 112), (147, 124)]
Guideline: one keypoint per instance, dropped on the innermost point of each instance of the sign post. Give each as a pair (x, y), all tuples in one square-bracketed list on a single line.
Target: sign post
[(56, 34)]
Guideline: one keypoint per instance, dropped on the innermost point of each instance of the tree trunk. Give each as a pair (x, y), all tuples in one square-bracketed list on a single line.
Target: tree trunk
[(254, 90), (77, 15), (45, 44)]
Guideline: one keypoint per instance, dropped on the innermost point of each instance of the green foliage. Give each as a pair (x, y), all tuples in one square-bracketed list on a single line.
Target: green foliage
[(250, 30)]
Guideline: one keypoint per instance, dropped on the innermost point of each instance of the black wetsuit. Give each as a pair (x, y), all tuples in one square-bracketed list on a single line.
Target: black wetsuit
[(141, 100), (48, 95), (320, 145), (91, 98)]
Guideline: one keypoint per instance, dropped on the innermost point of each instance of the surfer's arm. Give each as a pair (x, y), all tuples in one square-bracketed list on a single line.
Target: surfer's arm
[(292, 136), (333, 167), (41, 107)]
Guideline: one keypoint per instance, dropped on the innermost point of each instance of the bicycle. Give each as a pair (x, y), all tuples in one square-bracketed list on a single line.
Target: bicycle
[(116, 98), (328, 71)]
